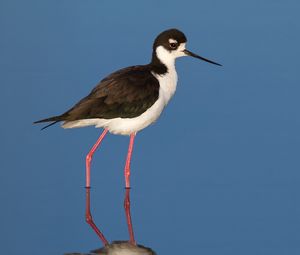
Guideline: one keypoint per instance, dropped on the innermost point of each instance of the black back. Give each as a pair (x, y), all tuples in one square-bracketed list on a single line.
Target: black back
[(126, 93)]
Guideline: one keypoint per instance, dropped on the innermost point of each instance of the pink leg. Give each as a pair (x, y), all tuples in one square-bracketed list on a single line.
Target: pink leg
[(128, 215), (89, 157), (127, 165), (89, 219)]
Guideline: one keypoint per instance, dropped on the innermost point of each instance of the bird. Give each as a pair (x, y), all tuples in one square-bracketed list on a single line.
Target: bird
[(130, 99)]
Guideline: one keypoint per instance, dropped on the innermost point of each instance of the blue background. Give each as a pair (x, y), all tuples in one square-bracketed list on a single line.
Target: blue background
[(217, 174)]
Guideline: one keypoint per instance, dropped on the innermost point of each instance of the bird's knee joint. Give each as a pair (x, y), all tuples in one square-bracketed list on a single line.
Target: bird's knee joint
[(88, 218), (88, 158)]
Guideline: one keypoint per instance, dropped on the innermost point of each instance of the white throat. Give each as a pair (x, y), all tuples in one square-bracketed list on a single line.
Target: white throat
[(166, 57), (167, 81)]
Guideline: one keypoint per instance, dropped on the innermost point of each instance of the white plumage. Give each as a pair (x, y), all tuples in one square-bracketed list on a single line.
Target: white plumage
[(127, 126)]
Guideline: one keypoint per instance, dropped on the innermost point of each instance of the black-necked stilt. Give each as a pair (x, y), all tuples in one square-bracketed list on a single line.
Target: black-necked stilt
[(132, 98)]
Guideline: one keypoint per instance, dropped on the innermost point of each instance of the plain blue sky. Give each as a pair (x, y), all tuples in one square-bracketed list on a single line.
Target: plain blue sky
[(217, 174)]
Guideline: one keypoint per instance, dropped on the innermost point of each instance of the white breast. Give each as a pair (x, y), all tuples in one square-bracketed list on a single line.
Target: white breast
[(127, 126), (168, 84)]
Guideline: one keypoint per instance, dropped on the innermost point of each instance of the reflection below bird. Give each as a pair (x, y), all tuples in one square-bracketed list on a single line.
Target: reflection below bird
[(129, 247), (132, 98), (124, 248), (120, 248), (90, 221)]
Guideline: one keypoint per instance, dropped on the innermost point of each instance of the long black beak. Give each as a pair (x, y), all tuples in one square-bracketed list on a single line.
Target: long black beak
[(189, 53)]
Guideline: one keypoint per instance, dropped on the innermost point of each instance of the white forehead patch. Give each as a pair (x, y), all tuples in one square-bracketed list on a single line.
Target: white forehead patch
[(171, 40)]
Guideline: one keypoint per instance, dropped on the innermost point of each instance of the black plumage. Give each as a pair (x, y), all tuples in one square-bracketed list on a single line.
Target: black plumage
[(129, 92), (130, 99), (126, 93)]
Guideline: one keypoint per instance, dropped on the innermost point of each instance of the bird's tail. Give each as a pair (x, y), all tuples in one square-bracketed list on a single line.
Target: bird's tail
[(53, 121)]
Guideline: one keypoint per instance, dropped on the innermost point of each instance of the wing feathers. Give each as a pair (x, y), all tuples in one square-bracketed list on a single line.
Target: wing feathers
[(126, 93)]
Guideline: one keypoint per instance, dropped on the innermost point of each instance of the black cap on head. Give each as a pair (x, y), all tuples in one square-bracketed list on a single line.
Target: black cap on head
[(171, 40), (163, 38)]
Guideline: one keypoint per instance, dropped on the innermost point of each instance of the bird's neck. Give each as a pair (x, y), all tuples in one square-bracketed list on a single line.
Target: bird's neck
[(164, 70), (157, 66), (161, 63)]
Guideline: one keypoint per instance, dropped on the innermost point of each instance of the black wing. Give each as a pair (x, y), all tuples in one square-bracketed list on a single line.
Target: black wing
[(126, 93)]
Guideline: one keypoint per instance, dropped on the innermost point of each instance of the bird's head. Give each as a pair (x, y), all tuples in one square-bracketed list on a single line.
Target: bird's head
[(171, 44)]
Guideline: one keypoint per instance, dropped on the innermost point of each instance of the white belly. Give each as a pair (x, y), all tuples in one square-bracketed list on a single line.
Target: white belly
[(127, 126)]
